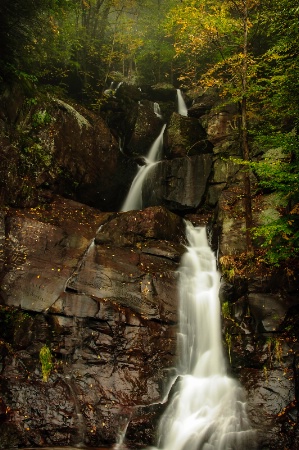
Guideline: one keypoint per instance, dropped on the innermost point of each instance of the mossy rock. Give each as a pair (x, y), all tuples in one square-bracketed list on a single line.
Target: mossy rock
[(186, 137)]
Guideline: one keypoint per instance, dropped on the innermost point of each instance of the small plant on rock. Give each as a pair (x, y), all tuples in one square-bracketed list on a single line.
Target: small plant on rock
[(45, 357)]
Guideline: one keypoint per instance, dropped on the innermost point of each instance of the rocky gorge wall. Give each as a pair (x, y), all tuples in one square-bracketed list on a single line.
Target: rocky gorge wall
[(97, 287)]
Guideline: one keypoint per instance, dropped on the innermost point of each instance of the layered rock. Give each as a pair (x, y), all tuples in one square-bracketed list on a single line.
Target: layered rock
[(260, 334), (107, 310), (179, 184)]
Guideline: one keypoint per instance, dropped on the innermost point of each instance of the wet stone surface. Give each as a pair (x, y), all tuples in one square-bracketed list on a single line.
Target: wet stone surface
[(108, 315)]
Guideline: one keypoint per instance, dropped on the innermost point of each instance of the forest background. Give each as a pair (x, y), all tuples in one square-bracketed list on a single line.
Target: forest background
[(246, 50)]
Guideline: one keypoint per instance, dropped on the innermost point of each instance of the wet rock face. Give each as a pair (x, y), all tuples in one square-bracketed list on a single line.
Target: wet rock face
[(185, 136), (63, 149), (141, 226), (89, 158), (179, 184), (106, 308), (261, 338), (147, 128)]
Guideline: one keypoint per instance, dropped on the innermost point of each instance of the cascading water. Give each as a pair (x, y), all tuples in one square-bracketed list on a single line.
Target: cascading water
[(182, 108), (208, 410), (78, 436), (157, 110), (115, 85), (120, 445), (134, 197)]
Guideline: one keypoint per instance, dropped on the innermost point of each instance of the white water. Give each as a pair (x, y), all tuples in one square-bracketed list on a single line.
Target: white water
[(208, 410), (182, 108), (157, 110), (134, 197)]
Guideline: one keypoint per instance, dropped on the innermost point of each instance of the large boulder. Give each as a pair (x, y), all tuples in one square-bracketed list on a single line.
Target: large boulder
[(89, 157), (179, 184), (185, 137), (141, 226), (147, 128), (106, 311), (163, 92), (119, 108), (62, 148), (165, 95)]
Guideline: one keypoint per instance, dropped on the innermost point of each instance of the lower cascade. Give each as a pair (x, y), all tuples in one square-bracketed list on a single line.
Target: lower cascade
[(208, 411)]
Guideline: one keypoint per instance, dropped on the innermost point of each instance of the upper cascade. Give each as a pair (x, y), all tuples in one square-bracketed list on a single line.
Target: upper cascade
[(157, 110), (134, 197), (182, 108)]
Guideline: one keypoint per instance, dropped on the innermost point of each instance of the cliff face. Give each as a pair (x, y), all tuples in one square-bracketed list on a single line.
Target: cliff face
[(98, 289)]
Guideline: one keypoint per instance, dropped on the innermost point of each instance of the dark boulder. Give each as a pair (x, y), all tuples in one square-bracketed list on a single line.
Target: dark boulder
[(147, 128), (179, 184), (185, 137)]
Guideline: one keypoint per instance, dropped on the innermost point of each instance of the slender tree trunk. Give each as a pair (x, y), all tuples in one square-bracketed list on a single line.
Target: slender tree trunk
[(109, 62), (246, 157)]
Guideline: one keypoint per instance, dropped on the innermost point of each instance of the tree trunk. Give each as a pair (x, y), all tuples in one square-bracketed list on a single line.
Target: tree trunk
[(245, 146)]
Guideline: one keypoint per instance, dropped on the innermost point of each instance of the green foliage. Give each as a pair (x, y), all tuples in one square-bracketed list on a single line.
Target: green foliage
[(77, 44), (277, 95), (225, 309), (34, 159), (279, 239), (279, 172), (25, 76), (41, 118), (45, 357), (31, 101)]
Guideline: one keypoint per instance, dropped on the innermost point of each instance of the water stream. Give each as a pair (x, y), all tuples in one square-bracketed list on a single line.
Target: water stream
[(182, 108), (134, 198), (157, 110), (79, 436), (208, 411)]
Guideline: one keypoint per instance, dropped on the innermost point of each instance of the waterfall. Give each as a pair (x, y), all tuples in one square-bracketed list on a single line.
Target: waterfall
[(208, 410), (120, 445), (134, 197), (157, 110), (114, 85), (78, 437), (120, 145), (182, 108)]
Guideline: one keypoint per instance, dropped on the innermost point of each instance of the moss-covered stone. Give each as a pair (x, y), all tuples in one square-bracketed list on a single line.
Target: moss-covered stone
[(185, 136)]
